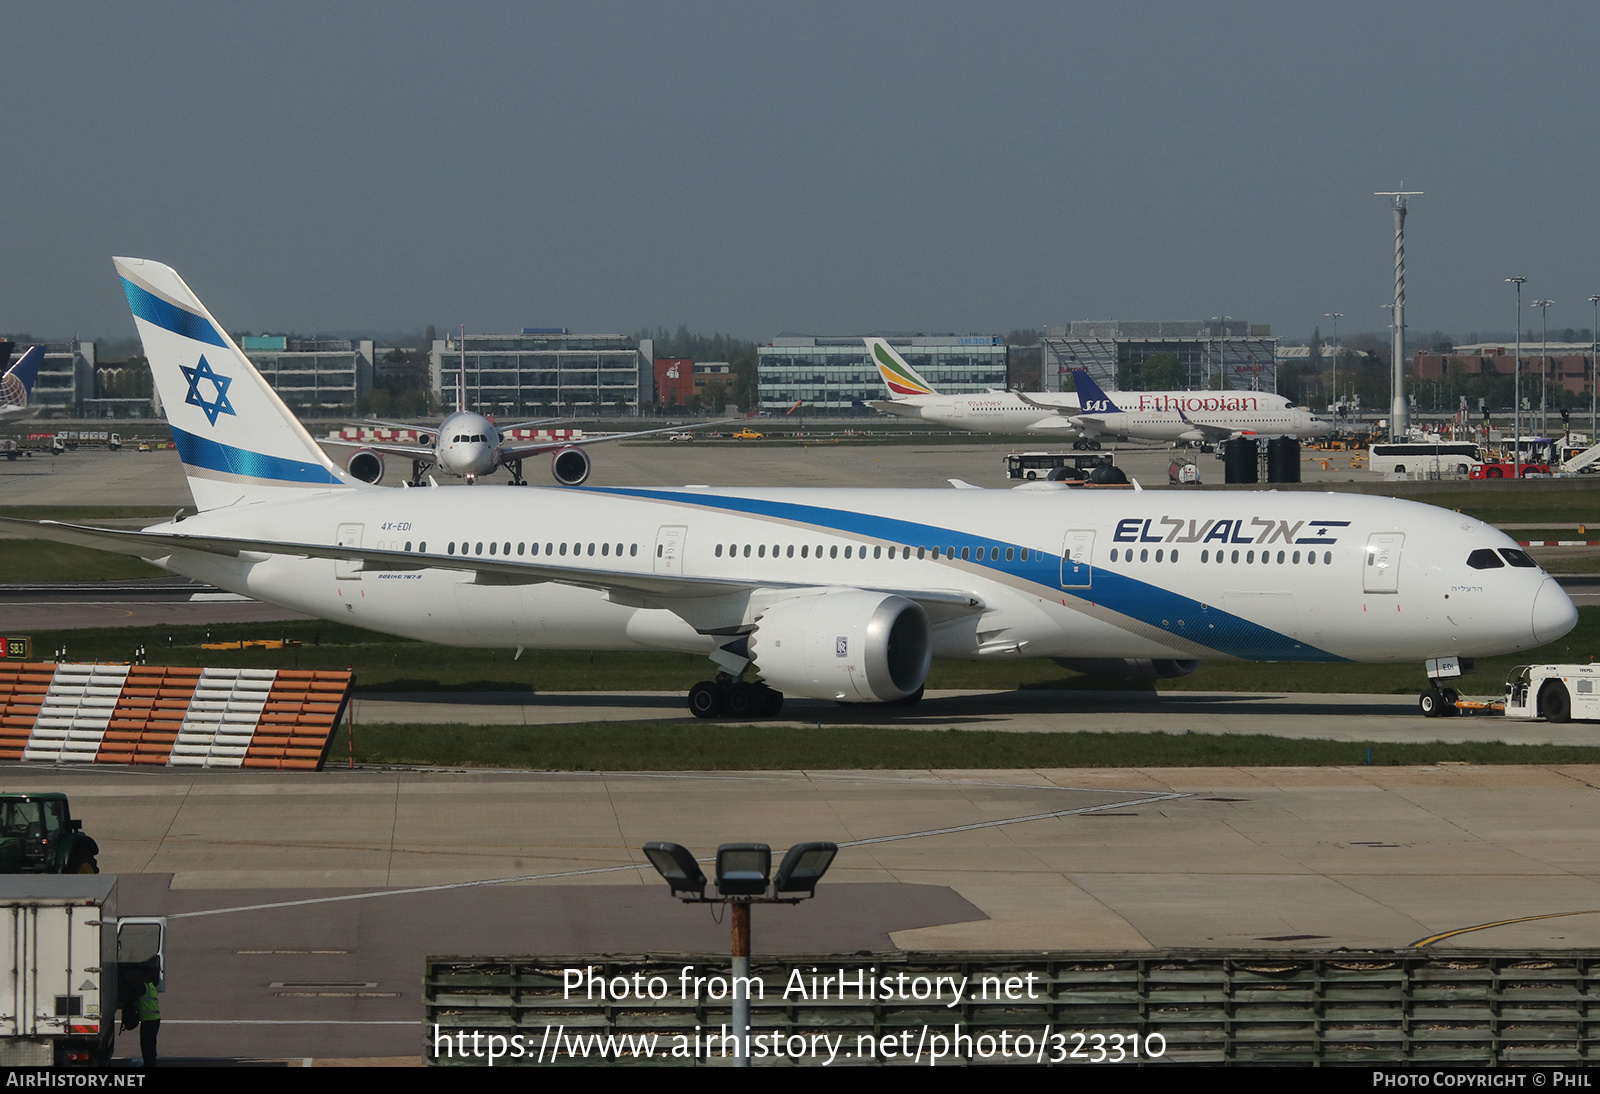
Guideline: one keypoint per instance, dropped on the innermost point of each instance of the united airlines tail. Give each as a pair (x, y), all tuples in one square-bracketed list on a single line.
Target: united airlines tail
[(17, 384), (1090, 397), (900, 378), (237, 440)]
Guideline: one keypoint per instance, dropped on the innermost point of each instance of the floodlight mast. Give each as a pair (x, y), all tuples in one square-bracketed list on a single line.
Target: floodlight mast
[(1399, 409), (1516, 387), (1594, 372), (1544, 370), (743, 871)]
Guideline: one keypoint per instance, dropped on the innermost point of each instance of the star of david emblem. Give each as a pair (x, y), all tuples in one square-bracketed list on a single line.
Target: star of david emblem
[(219, 403)]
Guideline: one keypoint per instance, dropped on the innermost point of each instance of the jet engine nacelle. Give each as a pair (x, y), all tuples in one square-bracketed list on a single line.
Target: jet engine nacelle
[(570, 466), (366, 465), (1131, 669), (850, 645)]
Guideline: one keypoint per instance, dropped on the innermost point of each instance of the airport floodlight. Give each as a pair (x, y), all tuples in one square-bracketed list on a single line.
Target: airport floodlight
[(742, 868), (676, 864), (803, 867)]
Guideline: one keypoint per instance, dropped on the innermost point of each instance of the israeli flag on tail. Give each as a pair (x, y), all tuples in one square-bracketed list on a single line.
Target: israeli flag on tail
[(238, 442)]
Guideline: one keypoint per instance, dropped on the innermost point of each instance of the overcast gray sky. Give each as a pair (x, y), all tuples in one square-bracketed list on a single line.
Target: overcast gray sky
[(757, 168)]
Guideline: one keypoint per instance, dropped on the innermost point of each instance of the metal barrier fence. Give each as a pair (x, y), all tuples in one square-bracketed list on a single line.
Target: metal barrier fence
[(1347, 1008)]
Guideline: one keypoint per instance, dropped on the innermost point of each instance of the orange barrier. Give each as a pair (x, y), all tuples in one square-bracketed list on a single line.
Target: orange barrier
[(283, 719)]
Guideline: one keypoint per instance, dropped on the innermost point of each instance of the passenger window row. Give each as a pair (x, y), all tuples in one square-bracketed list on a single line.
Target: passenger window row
[(1284, 557), (760, 550), (605, 550)]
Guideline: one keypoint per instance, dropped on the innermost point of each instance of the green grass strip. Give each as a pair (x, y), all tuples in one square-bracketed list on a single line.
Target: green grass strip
[(631, 746)]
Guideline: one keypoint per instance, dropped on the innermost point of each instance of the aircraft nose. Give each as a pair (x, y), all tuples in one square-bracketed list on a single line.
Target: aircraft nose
[(1554, 614)]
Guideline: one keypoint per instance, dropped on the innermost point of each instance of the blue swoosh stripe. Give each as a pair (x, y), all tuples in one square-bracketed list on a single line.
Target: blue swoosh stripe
[(153, 309), (1152, 605), (213, 456)]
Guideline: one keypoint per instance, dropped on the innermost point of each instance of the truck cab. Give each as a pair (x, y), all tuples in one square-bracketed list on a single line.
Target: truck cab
[(38, 835)]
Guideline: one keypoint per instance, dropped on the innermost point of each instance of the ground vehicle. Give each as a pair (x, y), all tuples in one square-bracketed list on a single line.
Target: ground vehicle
[(39, 836), (681, 437), (72, 964), (1428, 457), (1556, 693), (93, 438), (1039, 465), (747, 434)]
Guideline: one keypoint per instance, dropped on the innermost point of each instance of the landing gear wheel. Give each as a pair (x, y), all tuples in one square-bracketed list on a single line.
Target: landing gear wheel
[(1451, 695), (741, 701), (1554, 702), (705, 700), (770, 701), (1431, 703)]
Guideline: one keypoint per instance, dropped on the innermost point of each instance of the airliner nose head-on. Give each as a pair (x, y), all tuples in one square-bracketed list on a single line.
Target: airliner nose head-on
[(469, 445)]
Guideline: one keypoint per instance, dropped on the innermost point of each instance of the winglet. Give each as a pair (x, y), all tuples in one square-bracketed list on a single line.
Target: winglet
[(900, 378)]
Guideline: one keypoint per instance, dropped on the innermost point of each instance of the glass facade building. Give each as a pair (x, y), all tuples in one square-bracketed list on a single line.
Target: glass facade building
[(313, 376), (835, 374), (1243, 354), (546, 374)]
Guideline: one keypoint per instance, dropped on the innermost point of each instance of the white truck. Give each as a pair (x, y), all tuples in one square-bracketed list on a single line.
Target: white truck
[(71, 965), (1556, 693)]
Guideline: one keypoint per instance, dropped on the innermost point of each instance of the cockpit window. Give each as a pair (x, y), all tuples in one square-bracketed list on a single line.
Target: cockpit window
[(1519, 558), (1484, 559)]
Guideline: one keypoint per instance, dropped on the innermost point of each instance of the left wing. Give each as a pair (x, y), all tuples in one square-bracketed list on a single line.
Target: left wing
[(518, 451)]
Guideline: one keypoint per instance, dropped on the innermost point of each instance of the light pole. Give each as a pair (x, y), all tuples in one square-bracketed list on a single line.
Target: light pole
[(1594, 369), (743, 871), (1335, 316), (1516, 387), (1544, 376)]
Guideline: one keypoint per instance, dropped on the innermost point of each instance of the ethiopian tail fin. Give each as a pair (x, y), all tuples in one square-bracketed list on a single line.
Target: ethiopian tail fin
[(237, 440), (900, 378)]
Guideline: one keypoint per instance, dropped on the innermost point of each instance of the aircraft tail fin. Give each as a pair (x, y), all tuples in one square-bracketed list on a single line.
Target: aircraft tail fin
[(900, 378), (237, 440), (1090, 397), (17, 384)]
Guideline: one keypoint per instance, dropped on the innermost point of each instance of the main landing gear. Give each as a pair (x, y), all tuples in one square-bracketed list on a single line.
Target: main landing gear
[(731, 698), (515, 467)]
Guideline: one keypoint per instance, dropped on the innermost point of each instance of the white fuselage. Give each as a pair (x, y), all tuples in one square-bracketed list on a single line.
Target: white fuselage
[(1258, 576), (991, 412), (1166, 416)]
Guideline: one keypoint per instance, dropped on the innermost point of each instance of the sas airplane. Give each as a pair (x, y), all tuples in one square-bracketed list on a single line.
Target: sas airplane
[(1089, 415), (825, 593), (17, 384)]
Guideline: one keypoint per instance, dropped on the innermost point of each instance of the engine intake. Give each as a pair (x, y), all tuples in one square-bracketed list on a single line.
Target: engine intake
[(366, 465), (570, 466), (851, 645)]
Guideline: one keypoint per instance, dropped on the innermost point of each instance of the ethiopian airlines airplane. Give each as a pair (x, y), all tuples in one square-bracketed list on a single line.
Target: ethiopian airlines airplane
[(824, 593), (1088, 414)]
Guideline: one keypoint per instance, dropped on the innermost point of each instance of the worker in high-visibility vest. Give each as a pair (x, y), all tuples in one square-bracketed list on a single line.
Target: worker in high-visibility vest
[(149, 1022)]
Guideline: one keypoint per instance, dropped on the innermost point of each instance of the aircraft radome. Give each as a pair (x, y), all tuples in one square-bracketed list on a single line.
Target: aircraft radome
[(825, 593)]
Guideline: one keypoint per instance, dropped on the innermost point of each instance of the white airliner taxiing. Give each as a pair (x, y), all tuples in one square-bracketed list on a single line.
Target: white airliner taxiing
[(824, 593), (16, 386), (1088, 414), (468, 446)]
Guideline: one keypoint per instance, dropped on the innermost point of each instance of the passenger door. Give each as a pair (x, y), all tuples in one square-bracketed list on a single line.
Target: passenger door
[(1077, 559), (1380, 572)]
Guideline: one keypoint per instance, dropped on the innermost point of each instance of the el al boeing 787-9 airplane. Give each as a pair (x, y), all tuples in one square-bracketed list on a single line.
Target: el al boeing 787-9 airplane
[(825, 593)]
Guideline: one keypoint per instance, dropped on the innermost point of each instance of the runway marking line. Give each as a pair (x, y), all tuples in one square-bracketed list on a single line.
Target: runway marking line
[(1432, 938)]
